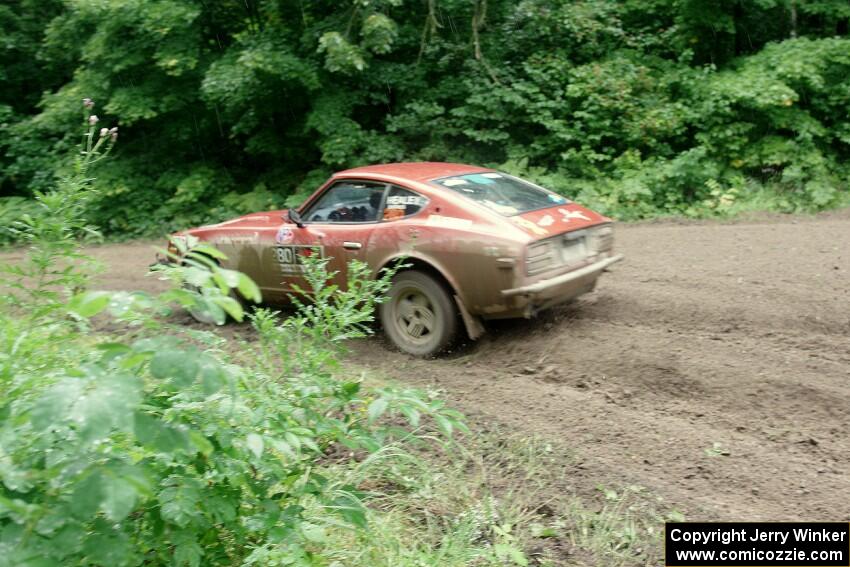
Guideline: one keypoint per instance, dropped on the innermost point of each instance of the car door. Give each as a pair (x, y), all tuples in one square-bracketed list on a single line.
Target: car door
[(337, 225)]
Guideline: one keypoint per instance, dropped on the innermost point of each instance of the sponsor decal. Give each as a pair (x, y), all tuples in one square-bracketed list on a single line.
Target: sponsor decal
[(546, 221), (502, 209), (479, 179), (243, 238), (492, 175), (284, 235), (448, 222), (530, 226), (403, 200), (289, 258), (567, 216)]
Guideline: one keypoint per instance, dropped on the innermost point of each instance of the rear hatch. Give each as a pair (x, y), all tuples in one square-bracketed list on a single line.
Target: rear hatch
[(568, 237)]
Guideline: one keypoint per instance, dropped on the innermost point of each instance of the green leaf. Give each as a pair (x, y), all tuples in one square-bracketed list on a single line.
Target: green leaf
[(314, 533), (159, 435), (69, 539), (177, 366), (377, 408), (351, 510), (201, 443), (675, 516), (507, 551), (293, 440), (53, 405), (283, 447), (108, 406), (229, 305), (213, 376), (119, 497), (255, 444), (229, 277), (207, 249), (113, 350), (310, 444), (248, 289), (350, 389), (208, 306), (89, 304), (541, 531), (412, 415), (445, 424), (187, 551), (180, 503), (85, 500), (106, 546), (197, 277), (222, 508)]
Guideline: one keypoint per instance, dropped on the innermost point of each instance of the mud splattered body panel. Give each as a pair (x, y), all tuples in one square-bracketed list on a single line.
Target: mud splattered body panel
[(498, 260)]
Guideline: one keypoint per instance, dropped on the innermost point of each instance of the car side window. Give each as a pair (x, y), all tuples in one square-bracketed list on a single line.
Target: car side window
[(403, 203), (348, 202)]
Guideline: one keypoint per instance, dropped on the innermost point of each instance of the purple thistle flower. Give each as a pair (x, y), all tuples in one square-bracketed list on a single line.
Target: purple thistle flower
[(104, 132), (88, 103), (93, 119)]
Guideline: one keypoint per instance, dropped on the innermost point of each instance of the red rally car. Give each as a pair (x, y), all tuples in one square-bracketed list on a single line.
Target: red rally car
[(481, 245)]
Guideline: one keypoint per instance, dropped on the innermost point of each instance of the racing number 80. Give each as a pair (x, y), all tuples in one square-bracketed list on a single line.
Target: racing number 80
[(289, 257), (285, 255)]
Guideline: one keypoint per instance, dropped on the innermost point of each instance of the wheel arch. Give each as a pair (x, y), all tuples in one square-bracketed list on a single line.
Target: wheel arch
[(471, 323)]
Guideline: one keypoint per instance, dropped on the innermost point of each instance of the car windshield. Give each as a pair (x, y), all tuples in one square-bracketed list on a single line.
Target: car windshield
[(502, 193)]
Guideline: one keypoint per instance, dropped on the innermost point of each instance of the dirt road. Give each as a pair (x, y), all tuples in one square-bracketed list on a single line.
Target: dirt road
[(711, 367)]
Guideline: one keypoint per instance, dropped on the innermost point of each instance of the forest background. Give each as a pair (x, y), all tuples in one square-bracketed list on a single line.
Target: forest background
[(638, 108)]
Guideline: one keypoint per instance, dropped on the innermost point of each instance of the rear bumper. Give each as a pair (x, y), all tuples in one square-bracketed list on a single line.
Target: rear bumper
[(549, 292)]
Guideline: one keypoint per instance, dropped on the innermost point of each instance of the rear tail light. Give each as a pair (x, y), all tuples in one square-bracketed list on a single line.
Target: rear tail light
[(540, 257), (603, 239), (569, 248)]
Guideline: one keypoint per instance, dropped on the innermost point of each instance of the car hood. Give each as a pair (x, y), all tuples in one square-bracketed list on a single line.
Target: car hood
[(557, 219)]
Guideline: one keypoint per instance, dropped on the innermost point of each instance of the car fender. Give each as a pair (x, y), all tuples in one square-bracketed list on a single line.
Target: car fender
[(472, 323)]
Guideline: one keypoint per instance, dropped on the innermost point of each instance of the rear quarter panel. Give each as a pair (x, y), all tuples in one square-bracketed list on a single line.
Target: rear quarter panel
[(462, 244)]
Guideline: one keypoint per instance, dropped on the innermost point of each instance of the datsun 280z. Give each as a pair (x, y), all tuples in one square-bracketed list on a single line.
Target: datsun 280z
[(478, 244)]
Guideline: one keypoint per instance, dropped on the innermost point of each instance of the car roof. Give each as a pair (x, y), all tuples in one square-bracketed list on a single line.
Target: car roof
[(413, 171)]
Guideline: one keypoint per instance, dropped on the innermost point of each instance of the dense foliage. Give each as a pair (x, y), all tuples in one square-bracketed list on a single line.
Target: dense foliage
[(637, 107)]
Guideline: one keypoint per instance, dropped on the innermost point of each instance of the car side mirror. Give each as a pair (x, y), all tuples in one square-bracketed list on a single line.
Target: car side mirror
[(295, 217)]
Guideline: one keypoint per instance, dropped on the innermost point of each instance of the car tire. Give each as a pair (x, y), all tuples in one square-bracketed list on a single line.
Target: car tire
[(419, 315)]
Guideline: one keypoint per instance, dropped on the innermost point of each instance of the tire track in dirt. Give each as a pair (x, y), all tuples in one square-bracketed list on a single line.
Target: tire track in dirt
[(712, 367)]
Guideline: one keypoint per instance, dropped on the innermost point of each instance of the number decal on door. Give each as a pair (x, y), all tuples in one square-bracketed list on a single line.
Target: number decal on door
[(289, 257)]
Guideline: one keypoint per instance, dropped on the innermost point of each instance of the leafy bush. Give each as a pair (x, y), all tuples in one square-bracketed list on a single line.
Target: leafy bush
[(164, 449), (156, 450), (54, 264)]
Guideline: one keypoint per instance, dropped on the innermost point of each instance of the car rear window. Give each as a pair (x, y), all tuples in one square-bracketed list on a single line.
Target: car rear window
[(505, 194)]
